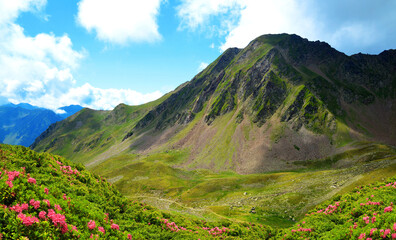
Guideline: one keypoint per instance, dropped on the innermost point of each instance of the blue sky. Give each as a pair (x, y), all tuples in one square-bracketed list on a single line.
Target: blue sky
[(99, 53)]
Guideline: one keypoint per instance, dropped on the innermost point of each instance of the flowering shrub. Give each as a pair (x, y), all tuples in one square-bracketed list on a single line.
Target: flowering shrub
[(366, 213), (46, 197)]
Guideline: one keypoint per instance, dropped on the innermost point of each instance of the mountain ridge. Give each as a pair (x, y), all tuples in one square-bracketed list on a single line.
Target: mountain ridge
[(279, 100)]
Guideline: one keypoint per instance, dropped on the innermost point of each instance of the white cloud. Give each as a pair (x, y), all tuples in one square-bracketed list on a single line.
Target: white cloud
[(92, 97), (97, 98), (194, 13), (10, 9), (260, 17), (349, 26), (39, 70), (202, 66), (121, 21)]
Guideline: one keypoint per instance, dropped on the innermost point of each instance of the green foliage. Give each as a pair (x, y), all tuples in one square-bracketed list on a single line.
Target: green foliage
[(366, 212), (77, 198)]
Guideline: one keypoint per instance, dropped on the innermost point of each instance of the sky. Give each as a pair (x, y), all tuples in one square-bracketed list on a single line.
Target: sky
[(100, 53)]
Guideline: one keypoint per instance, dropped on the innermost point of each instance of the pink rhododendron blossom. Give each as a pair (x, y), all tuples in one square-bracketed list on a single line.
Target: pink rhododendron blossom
[(34, 203), (362, 236), (46, 190), (129, 236), (19, 208), (42, 215), (9, 183), (386, 232), (57, 207), (64, 228), (12, 175), (91, 224), (388, 209), (24, 206), (27, 220), (32, 180), (47, 201), (115, 226), (101, 229)]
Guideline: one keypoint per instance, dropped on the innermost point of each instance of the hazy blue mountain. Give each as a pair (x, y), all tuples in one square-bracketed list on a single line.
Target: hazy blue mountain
[(20, 124)]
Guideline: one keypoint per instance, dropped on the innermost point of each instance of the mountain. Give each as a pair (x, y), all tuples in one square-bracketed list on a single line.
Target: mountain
[(69, 110), (22, 123), (280, 100), (277, 127), (44, 196)]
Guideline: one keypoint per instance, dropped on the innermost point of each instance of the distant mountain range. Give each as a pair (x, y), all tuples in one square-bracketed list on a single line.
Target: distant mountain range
[(20, 124)]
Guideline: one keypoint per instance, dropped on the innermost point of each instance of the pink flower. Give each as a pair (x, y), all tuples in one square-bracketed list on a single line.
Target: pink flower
[(35, 204), (12, 175), (393, 235), (386, 232), (51, 213), (9, 183), (27, 220), (129, 236), (388, 209), (32, 180), (362, 236), (101, 229), (57, 218), (91, 224), (372, 231), (42, 215), (19, 208), (115, 226), (47, 201), (74, 228), (394, 227), (64, 196), (46, 191), (24, 206), (57, 207), (64, 228)]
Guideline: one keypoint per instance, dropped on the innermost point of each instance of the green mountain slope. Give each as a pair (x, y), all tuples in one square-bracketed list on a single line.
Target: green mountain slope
[(44, 196), (279, 100), (90, 132)]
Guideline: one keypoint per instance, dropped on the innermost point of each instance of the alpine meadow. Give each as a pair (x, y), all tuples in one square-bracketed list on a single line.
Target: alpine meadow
[(285, 138)]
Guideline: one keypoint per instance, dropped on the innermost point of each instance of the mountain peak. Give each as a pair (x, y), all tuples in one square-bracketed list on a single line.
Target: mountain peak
[(279, 100)]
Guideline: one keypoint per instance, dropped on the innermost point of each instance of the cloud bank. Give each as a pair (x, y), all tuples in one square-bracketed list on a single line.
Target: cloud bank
[(39, 69), (120, 21), (349, 26)]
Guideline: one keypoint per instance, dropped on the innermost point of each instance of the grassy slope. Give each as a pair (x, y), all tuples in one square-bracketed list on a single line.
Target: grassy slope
[(279, 197), (90, 133), (79, 197)]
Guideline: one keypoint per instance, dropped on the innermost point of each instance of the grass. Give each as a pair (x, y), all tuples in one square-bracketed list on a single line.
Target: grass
[(231, 196)]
